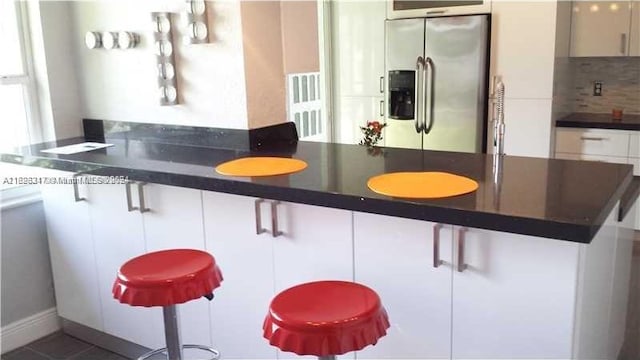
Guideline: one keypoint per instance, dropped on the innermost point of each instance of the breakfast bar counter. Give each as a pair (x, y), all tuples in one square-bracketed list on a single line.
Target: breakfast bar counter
[(532, 264)]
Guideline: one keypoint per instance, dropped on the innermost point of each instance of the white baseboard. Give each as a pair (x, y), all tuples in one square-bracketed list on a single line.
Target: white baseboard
[(22, 332)]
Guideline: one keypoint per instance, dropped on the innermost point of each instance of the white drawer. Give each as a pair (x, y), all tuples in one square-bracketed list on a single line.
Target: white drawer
[(586, 157), (592, 142)]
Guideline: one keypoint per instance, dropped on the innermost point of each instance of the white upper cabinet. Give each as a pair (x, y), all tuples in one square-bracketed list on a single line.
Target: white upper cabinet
[(523, 34), (603, 28), (634, 39), (358, 43), (398, 9)]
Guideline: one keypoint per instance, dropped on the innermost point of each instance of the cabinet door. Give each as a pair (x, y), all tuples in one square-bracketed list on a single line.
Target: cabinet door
[(315, 244), (516, 297), (359, 47), (394, 257), (72, 254), (174, 221), (634, 36), (600, 28), (246, 262), (356, 111), (522, 51), (119, 236), (397, 9), (528, 127)]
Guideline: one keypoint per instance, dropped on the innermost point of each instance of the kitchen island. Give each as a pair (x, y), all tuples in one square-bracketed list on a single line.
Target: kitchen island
[(533, 265)]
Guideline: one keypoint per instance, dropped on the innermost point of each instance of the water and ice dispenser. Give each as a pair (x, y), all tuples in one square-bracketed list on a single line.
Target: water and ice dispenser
[(401, 94)]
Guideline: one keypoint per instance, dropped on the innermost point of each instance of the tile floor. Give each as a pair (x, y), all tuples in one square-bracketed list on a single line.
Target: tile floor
[(59, 346)]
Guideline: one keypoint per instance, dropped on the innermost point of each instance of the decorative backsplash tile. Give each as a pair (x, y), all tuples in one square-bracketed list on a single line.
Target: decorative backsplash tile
[(620, 78)]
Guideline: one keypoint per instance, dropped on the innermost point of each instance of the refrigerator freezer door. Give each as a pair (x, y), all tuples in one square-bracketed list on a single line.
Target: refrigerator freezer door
[(404, 43), (457, 47)]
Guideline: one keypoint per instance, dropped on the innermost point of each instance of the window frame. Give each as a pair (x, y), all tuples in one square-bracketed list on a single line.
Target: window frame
[(27, 79)]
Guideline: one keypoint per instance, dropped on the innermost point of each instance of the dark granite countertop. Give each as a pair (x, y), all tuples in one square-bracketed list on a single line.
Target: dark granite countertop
[(559, 199), (600, 121)]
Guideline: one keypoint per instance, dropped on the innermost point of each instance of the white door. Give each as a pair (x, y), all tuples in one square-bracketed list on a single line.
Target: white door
[(395, 257), (314, 244), (72, 254), (600, 28), (119, 236), (174, 221), (510, 302), (246, 262)]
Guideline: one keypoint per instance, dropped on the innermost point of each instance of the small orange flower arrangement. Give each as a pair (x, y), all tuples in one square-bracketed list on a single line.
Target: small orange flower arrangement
[(372, 133)]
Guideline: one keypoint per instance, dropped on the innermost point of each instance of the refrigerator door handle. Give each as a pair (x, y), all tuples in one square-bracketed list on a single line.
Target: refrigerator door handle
[(419, 85), (432, 80)]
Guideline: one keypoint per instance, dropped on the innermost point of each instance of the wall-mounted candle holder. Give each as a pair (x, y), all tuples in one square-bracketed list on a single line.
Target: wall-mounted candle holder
[(167, 84), (111, 40), (196, 31), (93, 40)]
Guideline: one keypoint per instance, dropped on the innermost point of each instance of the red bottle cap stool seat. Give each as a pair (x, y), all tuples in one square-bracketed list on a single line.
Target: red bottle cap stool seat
[(325, 318), (166, 278)]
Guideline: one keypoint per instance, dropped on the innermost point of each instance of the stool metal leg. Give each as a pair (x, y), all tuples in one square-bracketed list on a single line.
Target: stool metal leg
[(330, 357), (172, 333)]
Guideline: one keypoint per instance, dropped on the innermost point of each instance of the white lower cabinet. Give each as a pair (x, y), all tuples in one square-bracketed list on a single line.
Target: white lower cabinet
[(496, 296), (515, 298), (395, 257), (119, 236), (72, 252), (92, 238), (314, 244)]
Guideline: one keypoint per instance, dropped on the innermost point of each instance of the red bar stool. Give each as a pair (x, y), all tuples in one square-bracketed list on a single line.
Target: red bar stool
[(325, 319), (166, 278)]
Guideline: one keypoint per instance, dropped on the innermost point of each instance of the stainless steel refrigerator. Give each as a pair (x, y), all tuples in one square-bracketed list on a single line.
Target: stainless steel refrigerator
[(436, 91)]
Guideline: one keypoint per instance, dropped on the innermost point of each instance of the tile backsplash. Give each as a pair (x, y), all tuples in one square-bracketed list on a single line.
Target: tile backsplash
[(620, 78)]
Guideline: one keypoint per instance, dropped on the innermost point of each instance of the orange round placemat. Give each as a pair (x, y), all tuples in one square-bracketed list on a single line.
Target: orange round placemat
[(261, 166), (421, 185)]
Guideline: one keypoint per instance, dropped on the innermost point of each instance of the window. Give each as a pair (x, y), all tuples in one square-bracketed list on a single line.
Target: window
[(18, 115)]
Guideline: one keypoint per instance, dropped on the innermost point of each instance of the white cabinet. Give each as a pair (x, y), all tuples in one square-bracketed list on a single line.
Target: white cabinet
[(592, 142), (312, 243), (523, 34), (72, 252), (634, 39), (515, 298), (522, 47), (174, 221), (602, 28), (394, 257), (496, 296), (91, 239), (119, 236), (358, 65)]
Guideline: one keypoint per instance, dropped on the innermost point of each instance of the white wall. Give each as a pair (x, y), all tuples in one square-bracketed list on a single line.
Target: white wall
[(122, 85), (27, 283)]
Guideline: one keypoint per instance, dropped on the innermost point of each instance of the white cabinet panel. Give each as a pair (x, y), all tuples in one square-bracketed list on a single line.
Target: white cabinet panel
[(394, 257), (72, 254), (600, 28), (358, 43), (592, 142), (522, 51), (174, 221), (246, 262), (353, 112), (603, 158), (315, 245), (634, 36), (510, 302), (528, 127), (119, 236)]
